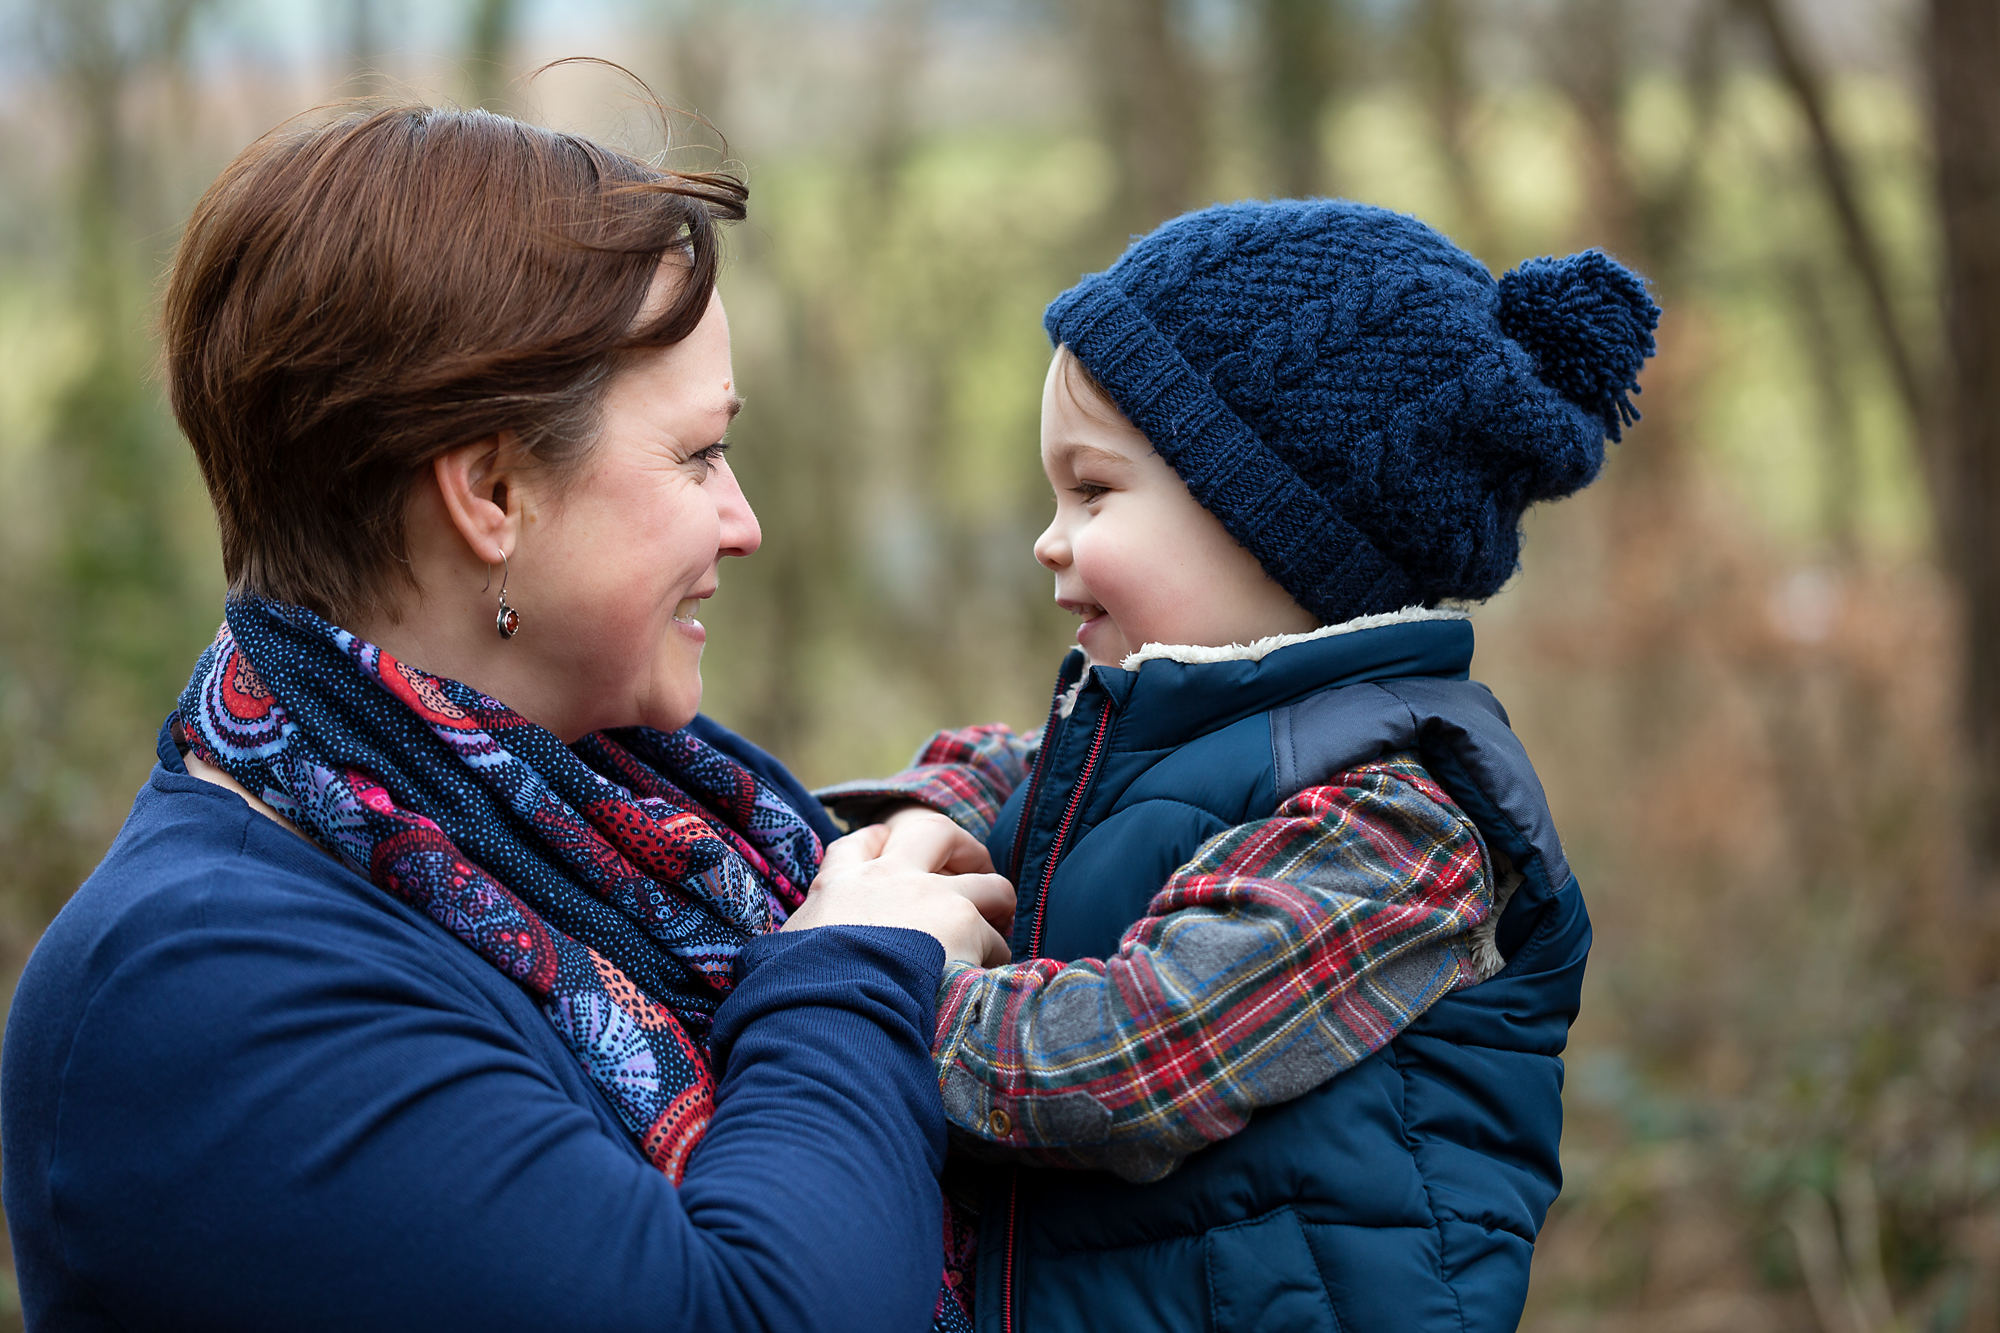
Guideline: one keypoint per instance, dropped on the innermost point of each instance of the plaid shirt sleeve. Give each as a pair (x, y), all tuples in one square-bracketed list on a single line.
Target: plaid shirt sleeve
[(1286, 951), (966, 775)]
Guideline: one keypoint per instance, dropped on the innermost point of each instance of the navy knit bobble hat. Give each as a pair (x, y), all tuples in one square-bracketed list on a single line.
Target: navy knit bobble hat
[(1355, 397)]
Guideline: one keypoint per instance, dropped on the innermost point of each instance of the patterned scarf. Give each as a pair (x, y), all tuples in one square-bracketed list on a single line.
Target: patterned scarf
[(615, 879)]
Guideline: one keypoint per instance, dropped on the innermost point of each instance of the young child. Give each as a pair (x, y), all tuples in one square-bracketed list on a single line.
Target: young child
[(1271, 833)]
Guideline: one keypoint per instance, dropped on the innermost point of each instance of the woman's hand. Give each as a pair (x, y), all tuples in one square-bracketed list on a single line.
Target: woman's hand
[(920, 871), (963, 854)]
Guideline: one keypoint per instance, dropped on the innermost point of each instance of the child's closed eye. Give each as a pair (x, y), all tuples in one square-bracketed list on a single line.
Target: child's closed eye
[(1088, 490)]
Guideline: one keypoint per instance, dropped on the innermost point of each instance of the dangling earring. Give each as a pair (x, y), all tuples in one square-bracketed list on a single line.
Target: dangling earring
[(506, 620)]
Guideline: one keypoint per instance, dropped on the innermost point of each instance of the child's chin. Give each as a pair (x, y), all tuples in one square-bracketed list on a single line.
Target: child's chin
[(1102, 643), (1099, 657)]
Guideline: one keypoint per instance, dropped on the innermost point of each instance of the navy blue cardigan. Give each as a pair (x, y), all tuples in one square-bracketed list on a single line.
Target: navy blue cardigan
[(244, 1088)]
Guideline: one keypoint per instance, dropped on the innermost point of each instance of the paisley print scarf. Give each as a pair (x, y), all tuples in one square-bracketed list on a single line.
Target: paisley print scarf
[(615, 880)]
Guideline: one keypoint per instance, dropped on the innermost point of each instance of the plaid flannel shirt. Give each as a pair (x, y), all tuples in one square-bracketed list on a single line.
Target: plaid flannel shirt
[(1289, 949)]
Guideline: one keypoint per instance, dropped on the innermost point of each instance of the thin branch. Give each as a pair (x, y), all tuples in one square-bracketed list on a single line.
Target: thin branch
[(1864, 250)]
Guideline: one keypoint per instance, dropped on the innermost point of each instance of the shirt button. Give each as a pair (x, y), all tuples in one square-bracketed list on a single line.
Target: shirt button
[(999, 1124)]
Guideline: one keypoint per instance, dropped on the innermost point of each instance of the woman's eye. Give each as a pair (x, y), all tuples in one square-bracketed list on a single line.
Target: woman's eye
[(710, 456)]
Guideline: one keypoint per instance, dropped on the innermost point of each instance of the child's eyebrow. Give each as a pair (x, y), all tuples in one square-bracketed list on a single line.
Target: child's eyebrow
[(1090, 453)]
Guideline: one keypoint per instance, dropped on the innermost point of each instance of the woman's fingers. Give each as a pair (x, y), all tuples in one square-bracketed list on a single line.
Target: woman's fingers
[(992, 895), (923, 838), (864, 844), (968, 857), (921, 871), (964, 913), (993, 949)]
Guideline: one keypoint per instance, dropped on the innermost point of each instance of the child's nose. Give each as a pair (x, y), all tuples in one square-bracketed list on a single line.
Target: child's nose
[(1052, 548)]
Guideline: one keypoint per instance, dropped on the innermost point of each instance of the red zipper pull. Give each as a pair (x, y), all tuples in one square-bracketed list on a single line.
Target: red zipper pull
[(1062, 829), (1035, 939)]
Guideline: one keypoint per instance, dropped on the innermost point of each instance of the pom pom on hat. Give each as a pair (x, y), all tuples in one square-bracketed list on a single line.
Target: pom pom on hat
[(1588, 322)]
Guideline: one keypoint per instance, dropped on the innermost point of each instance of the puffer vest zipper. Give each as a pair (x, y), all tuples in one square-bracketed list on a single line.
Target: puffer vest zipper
[(1219, 1244)]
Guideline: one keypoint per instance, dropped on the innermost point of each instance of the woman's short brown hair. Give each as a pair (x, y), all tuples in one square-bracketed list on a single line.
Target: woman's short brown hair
[(352, 299)]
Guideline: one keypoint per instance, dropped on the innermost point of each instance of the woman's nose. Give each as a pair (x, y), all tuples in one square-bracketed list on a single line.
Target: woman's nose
[(740, 534)]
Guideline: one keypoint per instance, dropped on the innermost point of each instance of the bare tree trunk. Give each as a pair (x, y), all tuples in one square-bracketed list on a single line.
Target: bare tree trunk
[(104, 613), (902, 33), (1864, 250), (1964, 59), (1590, 67), (1300, 57), (698, 60), (114, 449), (1149, 108), (361, 38), (1444, 76), (814, 444), (489, 45), (1647, 221), (1840, 450)]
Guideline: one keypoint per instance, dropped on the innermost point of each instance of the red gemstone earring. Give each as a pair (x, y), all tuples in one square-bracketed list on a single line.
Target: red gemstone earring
[(506, 620)]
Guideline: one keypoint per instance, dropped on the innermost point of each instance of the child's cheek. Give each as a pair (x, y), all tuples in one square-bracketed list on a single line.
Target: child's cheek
[(1143, 594)]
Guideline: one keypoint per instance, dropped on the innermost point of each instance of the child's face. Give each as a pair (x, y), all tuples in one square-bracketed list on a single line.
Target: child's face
[(1132, 551)]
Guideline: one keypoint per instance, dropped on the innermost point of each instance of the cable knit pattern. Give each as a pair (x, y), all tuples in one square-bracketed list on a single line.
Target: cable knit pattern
[(1355, 397)]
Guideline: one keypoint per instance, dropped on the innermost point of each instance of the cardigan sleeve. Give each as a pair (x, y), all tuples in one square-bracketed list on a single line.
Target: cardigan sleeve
[(1286, 951), (311, 1118)]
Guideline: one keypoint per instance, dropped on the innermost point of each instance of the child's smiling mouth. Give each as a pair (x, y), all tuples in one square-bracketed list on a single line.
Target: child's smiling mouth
[(1093, 615)]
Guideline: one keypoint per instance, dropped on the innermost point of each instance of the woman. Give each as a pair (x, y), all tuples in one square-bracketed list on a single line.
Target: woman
[(395, 1004)]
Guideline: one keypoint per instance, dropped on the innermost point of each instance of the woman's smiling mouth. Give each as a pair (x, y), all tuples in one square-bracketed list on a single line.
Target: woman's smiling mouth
[(685, 618)]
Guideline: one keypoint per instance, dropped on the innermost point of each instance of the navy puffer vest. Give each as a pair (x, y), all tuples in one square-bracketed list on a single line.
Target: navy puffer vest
[(1404, 1194)]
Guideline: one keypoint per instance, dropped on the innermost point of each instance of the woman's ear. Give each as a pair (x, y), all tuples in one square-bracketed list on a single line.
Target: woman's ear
[(480, 484)]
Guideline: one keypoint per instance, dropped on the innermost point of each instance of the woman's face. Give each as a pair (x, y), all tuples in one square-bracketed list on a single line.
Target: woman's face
[(610, 577)]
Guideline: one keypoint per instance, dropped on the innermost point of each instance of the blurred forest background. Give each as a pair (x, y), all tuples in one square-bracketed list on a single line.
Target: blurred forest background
[(1758, 663)]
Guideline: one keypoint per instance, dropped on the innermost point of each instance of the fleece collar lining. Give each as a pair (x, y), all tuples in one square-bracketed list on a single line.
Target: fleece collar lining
[(1259, 649)]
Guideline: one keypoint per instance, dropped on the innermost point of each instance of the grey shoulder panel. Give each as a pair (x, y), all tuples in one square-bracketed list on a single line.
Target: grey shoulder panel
[(1332, 731), (1458, 727)]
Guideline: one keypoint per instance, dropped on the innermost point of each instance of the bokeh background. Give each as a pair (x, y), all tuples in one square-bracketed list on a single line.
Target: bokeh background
[(1753, 661)]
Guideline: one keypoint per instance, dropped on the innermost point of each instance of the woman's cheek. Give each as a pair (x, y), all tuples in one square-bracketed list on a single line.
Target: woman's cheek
[(618, 626)]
